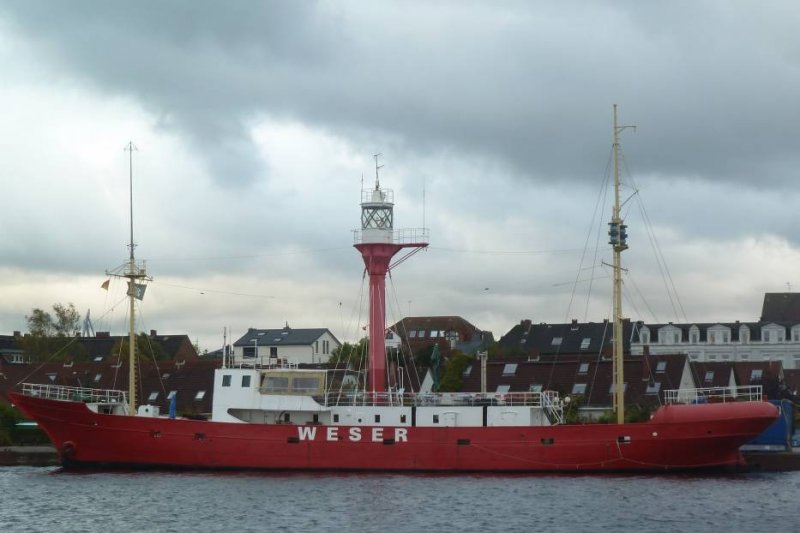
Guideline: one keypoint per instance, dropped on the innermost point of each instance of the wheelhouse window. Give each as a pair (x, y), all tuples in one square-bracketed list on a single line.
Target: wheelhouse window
[(226, 380), (245, 381)]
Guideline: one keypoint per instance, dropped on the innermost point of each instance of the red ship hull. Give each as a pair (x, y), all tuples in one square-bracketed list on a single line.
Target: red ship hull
[(678, 437)]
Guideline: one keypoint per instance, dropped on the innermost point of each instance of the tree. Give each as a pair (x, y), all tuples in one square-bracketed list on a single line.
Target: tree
[(67, 320), (453, 379), (52, 339), (353, 355)]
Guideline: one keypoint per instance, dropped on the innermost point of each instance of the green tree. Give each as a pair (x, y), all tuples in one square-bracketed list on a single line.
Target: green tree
[(52, 339), (453, 379), (66, 320), (349, 354)]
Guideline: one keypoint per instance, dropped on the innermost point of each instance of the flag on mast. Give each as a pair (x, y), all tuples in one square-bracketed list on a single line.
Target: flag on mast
[(136, 290)]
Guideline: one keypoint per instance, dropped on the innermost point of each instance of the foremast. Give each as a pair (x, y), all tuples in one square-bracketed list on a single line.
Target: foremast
[(136, 273), (617, 239)]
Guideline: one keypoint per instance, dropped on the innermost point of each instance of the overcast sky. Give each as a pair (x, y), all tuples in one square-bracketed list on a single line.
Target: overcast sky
[(255, 122)]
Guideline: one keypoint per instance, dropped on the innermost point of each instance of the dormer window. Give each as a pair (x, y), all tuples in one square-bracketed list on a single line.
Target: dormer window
[(661, 366), (556, 341), (709, 376), (585, 343), (584, 368), (755, 375)]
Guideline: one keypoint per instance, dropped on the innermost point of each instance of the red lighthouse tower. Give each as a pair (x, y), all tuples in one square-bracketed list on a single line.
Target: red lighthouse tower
[(378, 243)]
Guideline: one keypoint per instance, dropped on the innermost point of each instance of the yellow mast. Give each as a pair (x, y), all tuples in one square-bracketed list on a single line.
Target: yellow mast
[(133, 273), (617, 238)]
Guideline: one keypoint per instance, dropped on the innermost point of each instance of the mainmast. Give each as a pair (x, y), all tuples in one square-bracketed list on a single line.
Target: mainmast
[(617, 238), (135, 273), (378, 243)]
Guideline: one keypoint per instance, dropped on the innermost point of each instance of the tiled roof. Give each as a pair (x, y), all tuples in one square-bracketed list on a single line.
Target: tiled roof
[(646, 377), (781, 307), (531, 339)]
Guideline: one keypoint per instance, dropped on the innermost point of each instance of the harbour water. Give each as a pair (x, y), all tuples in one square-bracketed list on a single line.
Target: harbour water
[(48, 499)]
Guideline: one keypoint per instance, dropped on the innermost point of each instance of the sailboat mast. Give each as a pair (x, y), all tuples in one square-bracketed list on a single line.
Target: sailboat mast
[(617, 238)]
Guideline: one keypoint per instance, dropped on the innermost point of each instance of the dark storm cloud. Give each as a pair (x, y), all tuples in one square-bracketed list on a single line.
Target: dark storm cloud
[(712, 85)]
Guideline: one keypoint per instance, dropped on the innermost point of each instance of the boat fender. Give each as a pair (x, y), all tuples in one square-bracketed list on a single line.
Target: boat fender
[(68, 449)]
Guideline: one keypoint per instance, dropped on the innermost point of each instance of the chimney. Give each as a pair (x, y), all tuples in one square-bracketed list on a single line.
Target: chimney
[(103, 334), (16, 333), (153, 333)]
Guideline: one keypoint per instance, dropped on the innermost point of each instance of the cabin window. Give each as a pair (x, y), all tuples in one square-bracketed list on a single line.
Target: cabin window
[(510, 369), (276, 384), (305, 385), (584, 368), (579, 388), (435, 419), (153, 396), (661, 366), (245, 381), (653, 388), (200, 395), (226, 380)]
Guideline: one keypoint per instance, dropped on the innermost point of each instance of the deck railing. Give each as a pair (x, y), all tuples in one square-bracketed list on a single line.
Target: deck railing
[(745, 393), (81, 394), (546, 399)]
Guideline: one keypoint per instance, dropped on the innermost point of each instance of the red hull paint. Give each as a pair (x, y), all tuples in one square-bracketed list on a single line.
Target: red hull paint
[(679, 437)]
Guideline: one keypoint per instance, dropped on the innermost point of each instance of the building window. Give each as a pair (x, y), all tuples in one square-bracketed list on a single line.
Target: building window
[(226, 380), (579, 388), (273, 351), (796, 335), (153, 396), (316, 346), (245, 381), (780, 336), (709, 376), (412, 334), (535, 387), (653, 388), (97, 377), (645, 337), (171, 394), (712, 338), (467, 371), (503, 388), (421, 334), (661, 366), (510, 369), (755, 375), (556, 341), (745, 335), (694, 338), (584, 368), (676, 337), (200, 395), (434, 333), (585, 343)]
